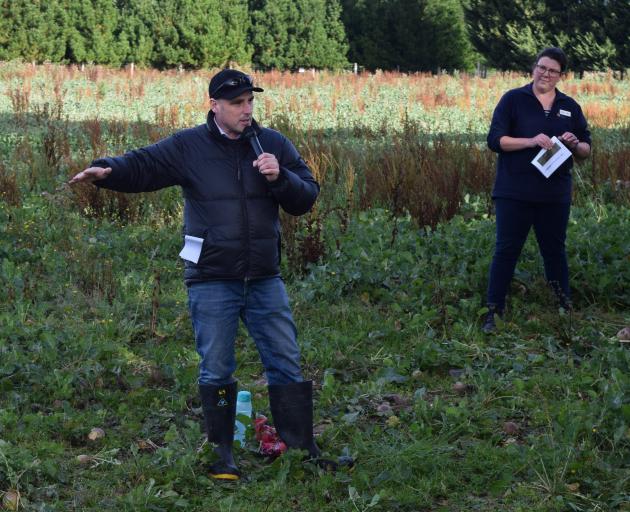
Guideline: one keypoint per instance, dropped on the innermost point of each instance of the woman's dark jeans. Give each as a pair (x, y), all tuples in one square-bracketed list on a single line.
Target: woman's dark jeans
[(514, 220)]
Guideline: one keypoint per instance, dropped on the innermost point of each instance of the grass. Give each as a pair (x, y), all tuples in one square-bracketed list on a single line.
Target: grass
[(384, 359), (94, 333)]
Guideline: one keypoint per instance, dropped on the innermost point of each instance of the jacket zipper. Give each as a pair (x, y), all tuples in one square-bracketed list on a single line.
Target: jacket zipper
[(244, 210)]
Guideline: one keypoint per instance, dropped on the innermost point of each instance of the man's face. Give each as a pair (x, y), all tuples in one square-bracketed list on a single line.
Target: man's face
[(235, 114)]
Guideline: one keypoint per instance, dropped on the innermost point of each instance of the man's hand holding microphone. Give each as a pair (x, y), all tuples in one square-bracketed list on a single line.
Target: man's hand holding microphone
[(266, 162)]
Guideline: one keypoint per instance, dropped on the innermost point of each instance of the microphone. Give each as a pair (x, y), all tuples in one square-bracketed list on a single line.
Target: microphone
[(250, 133)]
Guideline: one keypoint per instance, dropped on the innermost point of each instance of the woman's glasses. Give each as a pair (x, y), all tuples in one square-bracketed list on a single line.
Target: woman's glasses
[(544, 69)]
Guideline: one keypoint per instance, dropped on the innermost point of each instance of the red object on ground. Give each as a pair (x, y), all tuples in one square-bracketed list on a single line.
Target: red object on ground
[(266, 435)]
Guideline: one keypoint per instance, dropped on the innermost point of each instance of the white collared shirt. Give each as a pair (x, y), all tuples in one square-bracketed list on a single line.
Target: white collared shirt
[(221, 130)]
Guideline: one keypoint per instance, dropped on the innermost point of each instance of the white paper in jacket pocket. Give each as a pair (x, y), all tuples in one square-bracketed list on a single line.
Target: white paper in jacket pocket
[(192, 248)]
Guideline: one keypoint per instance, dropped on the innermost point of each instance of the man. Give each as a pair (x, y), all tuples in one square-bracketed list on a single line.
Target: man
[(231, 203)]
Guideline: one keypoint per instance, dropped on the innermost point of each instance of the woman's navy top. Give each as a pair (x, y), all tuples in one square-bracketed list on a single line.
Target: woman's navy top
[(520, 114)]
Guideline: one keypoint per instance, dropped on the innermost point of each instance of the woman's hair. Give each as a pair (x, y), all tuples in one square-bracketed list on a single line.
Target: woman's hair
[(553, 53)]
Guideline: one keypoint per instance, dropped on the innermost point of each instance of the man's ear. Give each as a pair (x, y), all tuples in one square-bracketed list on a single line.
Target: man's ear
[(213, 105)]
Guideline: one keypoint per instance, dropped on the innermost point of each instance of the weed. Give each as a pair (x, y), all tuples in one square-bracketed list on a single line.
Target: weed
[(9, 189)]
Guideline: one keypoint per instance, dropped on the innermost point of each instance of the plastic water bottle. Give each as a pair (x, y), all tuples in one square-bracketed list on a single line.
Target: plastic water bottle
[(243, 408)]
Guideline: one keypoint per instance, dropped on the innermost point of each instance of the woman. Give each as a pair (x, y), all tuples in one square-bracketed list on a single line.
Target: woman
[(523, 122)]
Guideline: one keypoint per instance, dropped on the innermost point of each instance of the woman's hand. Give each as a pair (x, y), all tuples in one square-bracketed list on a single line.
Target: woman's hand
[(570, 140), (542, 141)]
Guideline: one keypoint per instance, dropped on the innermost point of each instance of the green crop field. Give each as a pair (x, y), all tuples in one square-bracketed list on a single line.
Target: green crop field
[(386, 275)]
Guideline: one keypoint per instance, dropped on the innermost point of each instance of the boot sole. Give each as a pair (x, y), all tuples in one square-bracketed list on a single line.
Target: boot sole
[(225, 476), (223, 472)]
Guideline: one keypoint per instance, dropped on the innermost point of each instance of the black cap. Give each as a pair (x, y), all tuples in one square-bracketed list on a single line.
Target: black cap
[(230, 83)]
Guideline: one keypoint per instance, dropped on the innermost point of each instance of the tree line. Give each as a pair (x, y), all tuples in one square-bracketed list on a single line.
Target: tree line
[(268, 34), (405, 35), (593, 33)]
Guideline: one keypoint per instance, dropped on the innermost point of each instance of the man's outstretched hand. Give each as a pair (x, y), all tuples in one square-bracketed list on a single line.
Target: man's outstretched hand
[(90, 175)]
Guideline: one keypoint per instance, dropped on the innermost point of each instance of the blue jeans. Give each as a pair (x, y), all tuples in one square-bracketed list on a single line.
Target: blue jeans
[(263, 306), (514, 220)]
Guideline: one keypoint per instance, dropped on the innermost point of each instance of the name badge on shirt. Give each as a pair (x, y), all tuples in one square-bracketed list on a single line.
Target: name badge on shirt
[(565, 113)]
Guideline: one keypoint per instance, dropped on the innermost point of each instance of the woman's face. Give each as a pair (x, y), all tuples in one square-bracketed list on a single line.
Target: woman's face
[(546, 73)]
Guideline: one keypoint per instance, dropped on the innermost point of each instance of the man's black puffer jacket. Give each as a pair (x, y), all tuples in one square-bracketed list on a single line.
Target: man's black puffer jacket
[(228, 202)]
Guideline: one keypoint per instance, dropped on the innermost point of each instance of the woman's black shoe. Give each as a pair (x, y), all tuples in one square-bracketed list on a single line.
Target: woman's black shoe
[(489, 325)]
